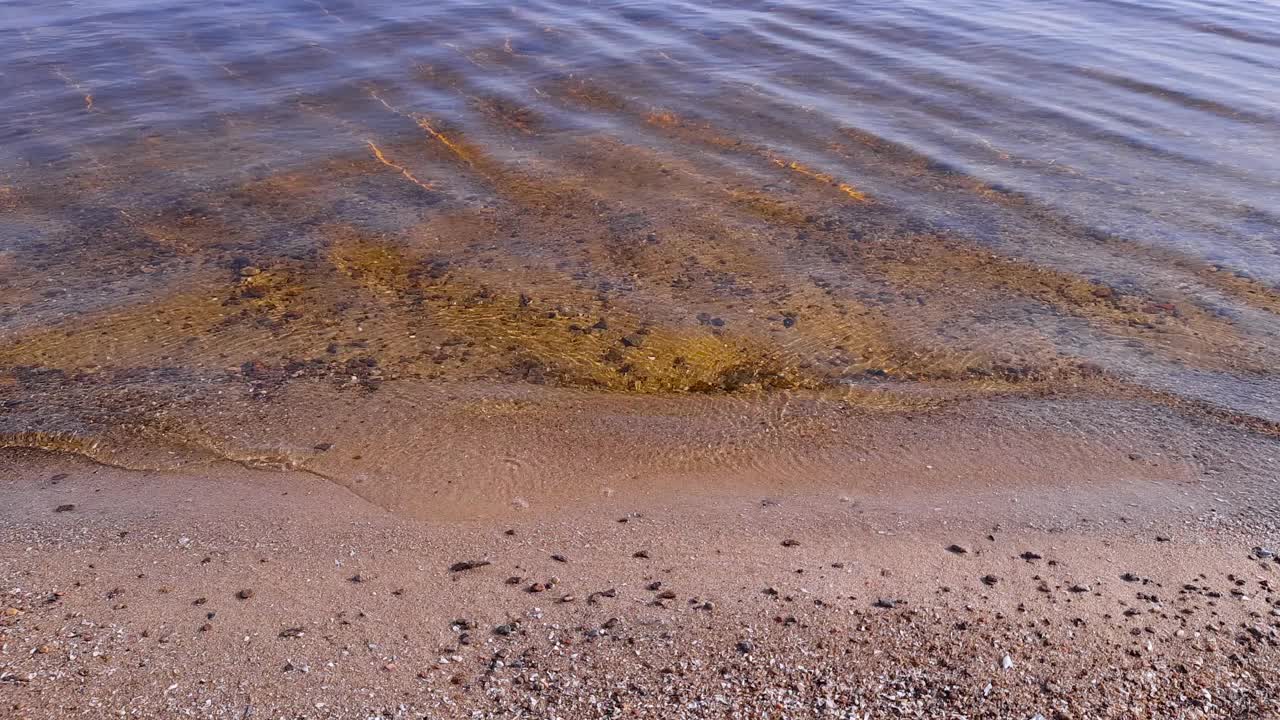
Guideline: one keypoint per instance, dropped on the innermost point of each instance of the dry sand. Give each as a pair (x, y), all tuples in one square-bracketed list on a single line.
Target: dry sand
[(1133, 591)]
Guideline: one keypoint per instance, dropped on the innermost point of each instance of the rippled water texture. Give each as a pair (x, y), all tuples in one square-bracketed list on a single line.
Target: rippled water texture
[(237, 226)]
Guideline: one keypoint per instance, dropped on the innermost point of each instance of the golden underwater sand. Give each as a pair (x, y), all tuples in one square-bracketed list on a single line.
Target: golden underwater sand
[(424, 266)]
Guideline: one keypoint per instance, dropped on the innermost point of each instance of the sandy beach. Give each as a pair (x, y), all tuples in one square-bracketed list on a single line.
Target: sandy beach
[(1089, 581), (388, 359)]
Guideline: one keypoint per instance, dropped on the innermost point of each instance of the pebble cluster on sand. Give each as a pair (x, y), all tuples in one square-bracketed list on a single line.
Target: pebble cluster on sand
[(656, 649), (288, 600)]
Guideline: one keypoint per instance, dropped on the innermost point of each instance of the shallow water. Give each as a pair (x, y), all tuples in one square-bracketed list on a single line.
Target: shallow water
[(220, 222)]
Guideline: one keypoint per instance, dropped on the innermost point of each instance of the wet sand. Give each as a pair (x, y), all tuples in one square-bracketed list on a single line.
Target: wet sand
[(1095, 579)]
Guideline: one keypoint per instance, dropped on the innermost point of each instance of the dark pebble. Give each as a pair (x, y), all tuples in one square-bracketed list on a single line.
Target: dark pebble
[(611, 592)]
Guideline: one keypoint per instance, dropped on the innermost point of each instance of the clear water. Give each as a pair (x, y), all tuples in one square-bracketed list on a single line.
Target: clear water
[(216, 215)]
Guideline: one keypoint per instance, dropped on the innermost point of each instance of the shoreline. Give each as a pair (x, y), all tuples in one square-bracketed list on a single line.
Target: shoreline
[(809, 604), (564, 361)]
